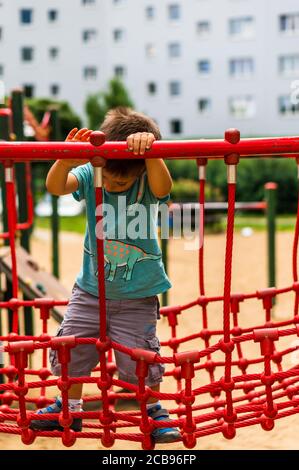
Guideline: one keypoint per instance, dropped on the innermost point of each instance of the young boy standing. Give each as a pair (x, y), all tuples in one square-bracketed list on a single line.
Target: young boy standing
[(134, 270)]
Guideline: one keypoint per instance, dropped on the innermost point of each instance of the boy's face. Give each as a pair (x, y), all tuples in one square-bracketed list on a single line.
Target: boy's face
[(117, 183)]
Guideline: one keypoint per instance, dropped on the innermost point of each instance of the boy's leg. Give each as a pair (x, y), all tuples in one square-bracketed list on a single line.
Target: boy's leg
[(81, 320), (133, 324), (75, 391)]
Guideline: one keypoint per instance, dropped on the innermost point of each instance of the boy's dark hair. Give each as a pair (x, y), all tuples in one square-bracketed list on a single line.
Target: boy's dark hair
[(119, 123)]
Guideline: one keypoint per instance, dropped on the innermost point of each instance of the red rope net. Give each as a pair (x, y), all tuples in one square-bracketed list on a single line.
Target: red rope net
[(232, 396)]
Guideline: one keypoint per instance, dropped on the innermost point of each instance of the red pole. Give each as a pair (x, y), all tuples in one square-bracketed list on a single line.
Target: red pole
[(22, 151)]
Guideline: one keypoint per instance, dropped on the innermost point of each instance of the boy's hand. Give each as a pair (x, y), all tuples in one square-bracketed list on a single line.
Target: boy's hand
[(140, 142), (82, 135)]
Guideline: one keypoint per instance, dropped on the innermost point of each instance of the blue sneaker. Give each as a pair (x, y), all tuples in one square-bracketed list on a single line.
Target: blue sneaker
[(162, 435), (53, 425)]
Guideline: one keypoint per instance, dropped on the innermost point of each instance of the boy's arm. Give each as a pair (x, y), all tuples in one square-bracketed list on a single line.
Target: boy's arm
[(159, 178), (59, 179)]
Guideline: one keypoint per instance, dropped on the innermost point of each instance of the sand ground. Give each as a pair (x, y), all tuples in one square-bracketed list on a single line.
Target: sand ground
[(249, 274)]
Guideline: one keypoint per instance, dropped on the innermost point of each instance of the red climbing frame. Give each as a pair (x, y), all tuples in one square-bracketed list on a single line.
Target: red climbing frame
[(227, 401)]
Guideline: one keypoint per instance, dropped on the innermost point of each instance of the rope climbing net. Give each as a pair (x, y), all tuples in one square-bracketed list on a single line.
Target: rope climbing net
[(232, 397)]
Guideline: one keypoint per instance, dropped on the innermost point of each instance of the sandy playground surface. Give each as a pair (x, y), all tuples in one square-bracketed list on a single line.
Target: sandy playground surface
[(249, 274)]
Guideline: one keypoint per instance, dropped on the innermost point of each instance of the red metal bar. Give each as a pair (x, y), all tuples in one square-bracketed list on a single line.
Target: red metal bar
[(22, 151)]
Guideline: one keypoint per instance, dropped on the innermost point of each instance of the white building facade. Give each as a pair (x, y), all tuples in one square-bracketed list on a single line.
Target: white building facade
[(196, 66)]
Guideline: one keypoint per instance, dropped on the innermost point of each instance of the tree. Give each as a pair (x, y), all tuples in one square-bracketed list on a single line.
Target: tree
[(99, 103)]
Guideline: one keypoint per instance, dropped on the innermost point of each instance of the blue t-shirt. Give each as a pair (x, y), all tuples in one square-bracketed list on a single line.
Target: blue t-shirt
[(133, 265)]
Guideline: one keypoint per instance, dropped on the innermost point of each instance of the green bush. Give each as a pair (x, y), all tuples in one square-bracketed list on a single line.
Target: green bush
[(252, 176)]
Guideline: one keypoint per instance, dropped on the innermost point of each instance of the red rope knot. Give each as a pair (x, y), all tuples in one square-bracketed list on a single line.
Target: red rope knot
[(235, 301), (296, 287), (143, 358), (237, 331), (227, 386), (103, 346), (267, 423), (106, 418), (205, 334), (297, 329), (266, 337), (105, 384), (68, 437), (202, 301), (226, 347), (10, 372), (189, 440), (267, 296), (173, 343), (210, 366), (63, 344), (6, 398), (21, 350), (28, 436), (228, 430), (171, 313), (243, 364)]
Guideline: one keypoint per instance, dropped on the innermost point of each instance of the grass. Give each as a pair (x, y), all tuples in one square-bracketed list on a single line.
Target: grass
[(256, 222), (74, 224), (283, 222)]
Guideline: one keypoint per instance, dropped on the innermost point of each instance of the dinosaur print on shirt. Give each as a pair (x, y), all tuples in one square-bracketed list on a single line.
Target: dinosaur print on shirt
[(119, 254)]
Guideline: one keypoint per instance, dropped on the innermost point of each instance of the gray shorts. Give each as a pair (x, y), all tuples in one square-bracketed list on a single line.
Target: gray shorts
[(131, 323)]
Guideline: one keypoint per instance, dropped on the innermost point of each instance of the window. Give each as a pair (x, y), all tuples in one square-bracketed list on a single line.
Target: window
[(175, 88), (288, 65), (203, 28), (150, 50), (117, 2), (174, 50), (27, 54), (205, 106), (54, 89), (29, 91), (176, 126), (89, 35), (53, 53), (174, 11), (119, 71), (152, 88), (150, 12), (287, 108), (52, 16), (204, 67), (242, 107), (241, 68), (1, 33), (289, 24), (118, 35), (1, 70), (88, 2), (241, 27), (90, 73), (26, 16)]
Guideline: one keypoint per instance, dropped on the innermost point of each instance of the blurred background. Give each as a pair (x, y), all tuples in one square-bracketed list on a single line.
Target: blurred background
[(197, 67)]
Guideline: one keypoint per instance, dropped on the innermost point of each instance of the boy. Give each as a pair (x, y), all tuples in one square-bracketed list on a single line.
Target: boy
[(131, 288)]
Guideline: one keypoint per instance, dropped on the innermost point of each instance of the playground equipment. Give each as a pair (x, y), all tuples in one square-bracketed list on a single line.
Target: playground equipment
[(231, 398), (268, 206)]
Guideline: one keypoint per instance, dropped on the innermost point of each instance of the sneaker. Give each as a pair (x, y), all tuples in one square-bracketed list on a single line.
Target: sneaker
[(162, 435), (53, 425)]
